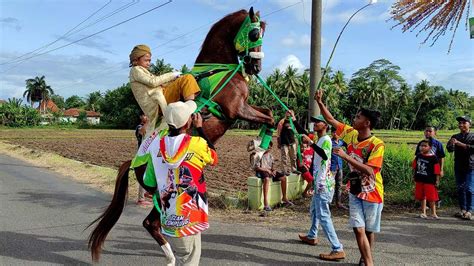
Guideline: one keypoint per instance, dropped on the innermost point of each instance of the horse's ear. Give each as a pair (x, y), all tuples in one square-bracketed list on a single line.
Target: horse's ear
[(251, 13)]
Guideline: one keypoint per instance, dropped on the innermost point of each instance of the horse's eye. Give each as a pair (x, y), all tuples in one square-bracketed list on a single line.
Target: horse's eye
[(254, 34)]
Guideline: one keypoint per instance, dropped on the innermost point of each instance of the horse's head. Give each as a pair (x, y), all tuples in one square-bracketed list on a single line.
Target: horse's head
[(248, 42)]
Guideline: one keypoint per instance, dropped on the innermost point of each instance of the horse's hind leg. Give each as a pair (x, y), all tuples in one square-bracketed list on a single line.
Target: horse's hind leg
[(153, 225)]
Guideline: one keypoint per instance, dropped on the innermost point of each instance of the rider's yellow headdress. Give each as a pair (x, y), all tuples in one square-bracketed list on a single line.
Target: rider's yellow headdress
[(139, 51)]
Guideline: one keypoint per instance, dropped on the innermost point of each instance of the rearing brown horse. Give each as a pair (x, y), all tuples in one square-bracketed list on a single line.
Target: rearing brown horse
[(219, 48)]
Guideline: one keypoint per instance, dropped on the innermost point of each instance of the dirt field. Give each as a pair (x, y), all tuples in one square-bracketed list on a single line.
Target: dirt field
[(110, 148)]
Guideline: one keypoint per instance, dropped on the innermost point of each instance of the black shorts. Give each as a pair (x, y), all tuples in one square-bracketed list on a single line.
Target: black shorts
[(276, 177)]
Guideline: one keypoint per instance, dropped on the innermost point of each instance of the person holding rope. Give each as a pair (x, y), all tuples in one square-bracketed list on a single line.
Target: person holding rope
[(181, 183), (153, 93), (323, 185), (365, 157)]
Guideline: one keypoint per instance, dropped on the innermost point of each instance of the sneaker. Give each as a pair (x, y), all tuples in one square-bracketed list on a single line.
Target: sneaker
[(460, 214), (467, 216), (267, 208), (333, 256), (310, 241)]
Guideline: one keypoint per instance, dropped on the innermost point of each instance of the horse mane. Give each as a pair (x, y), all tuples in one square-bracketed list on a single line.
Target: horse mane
[(218, 47)]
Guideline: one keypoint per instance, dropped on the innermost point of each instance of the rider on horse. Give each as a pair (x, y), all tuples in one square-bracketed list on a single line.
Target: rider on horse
[(153, 93)]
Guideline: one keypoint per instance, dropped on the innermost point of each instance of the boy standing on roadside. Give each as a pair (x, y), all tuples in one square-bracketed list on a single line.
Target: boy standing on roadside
[(426, 174)]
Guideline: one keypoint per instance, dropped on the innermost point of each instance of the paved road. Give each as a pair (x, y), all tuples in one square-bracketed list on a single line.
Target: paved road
[(43, 215)]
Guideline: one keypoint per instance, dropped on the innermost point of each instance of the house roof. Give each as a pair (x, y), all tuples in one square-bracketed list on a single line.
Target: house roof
[(74, 112), (2, 101), (50, 106)]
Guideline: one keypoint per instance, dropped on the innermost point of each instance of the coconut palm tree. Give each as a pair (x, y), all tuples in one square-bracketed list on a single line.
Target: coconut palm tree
[(92, 100), (437, 16), (37, 90), (402, 97), (160, 67), (291, 82), (339, 83), (423, 93)]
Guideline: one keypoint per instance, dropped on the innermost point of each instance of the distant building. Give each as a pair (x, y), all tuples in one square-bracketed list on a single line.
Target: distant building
[(48, 107), (2, 101), (71, 115)]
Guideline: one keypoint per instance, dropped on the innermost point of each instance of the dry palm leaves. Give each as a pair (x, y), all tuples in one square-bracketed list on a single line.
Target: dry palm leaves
[(438, 16)]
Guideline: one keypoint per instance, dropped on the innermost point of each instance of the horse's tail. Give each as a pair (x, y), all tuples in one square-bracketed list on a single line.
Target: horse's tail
[(112, 214)]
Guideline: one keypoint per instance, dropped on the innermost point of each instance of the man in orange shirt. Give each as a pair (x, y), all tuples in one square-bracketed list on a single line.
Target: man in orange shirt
[(365, 157)]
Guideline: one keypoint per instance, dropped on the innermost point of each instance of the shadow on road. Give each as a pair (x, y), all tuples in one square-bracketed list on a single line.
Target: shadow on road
[(20, 245)]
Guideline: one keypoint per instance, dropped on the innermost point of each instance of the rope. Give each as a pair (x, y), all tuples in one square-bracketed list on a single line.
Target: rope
[(298, 136)]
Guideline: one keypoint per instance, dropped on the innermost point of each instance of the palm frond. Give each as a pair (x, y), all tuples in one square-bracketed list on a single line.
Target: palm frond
[(437, 16)]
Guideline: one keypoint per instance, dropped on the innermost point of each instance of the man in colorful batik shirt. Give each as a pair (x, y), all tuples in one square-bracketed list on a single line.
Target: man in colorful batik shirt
[(365, 157), (178, 161)]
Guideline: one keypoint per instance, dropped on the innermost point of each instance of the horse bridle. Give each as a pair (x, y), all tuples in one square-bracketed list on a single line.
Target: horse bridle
[(249, 36)]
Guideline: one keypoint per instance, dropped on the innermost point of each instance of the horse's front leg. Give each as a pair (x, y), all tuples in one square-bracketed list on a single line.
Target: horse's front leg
[(153, 225), (249, 113), (263, 110)]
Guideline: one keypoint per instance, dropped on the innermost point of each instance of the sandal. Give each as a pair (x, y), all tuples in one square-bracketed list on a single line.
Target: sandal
[(434, 217), (423, 216), (288, 204)]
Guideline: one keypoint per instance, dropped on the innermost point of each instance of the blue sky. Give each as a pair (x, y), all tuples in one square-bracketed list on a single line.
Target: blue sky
[(101, 62)]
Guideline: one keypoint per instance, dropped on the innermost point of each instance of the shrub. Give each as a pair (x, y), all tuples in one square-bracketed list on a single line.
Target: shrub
[(14, 114)]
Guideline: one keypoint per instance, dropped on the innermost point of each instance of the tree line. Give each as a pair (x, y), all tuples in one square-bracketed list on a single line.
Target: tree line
[(377, 86)]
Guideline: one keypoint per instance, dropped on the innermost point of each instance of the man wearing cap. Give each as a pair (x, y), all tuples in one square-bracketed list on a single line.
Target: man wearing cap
[(323, 185), (178, 167), (463, 146), (153, 93)]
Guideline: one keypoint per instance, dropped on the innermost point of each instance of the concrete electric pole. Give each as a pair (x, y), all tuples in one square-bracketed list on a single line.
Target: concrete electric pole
[(315, 58)]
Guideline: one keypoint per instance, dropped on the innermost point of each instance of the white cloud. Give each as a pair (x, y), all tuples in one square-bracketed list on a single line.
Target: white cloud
[(288, 42), (10, 22), (338, 11), (292, 60), (462, 79), (293, 41), (420, 75)]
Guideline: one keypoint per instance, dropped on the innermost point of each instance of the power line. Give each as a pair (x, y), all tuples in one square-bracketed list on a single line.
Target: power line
[(118, 10), (182, 47), (165, 43), (94, 34), (58, 39)]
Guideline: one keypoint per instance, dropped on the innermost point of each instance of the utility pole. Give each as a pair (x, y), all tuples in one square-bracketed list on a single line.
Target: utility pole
[(315, 59)]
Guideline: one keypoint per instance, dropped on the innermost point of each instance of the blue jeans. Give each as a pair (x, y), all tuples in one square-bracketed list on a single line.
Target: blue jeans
[(321, 214), (465, 188)]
